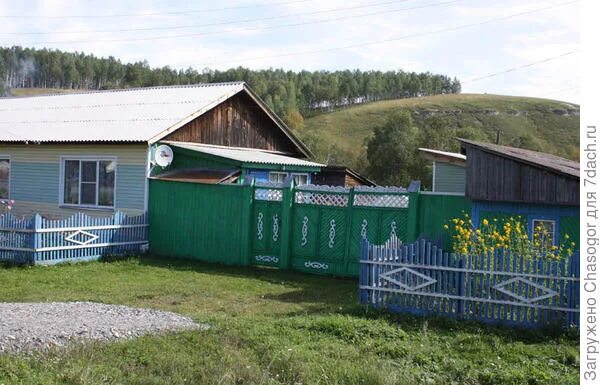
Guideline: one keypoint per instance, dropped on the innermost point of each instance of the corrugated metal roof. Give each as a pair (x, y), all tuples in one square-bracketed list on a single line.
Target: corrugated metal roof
[(245, 155), (455, 155), (131, 115), (539, 159)]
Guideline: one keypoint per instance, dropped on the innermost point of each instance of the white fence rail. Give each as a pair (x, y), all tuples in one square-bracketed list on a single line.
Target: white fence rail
[(79, 237)]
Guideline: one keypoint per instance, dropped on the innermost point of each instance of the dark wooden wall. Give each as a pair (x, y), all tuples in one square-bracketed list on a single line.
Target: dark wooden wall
[(495, 178), (237, 122), (336, 177)]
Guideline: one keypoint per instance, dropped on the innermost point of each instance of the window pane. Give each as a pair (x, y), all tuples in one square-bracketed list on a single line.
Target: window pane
[(88, 171), (300, 179), (88, 193), (277, 177), (4, 178), (106, 192), (71, 182), (544, 232)]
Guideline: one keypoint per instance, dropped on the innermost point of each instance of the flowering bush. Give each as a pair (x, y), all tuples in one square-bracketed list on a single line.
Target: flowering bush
[(6, 205), (510, 234)]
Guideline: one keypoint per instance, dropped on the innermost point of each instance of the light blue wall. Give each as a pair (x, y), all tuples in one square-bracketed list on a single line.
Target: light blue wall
[(34, 182), (449, 178), (131, 183), (40, 182)]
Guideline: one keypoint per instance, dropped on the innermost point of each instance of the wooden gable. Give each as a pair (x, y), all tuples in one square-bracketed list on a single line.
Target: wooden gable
[(491, 177), (237, 122)]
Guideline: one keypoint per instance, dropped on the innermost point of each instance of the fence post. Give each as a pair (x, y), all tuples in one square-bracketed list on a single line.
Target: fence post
[(37, 237), (246, 220), (412, 229), (363, 277), (286, 225), (348, 240), (460, 290)]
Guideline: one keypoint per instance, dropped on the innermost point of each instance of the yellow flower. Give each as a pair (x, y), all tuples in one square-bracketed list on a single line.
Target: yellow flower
[(485, 222), (572, 243), (445, 227), (567, 236), (455, 220), (464, 250)]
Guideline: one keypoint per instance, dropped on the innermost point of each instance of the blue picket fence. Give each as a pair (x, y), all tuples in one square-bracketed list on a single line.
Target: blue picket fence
[(500, 287), (80, 237)]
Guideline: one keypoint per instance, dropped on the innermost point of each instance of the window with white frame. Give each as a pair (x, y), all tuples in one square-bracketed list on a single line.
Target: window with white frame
[(300, 179), (89, 182), (278, 177), (544, 230), (4, 177)]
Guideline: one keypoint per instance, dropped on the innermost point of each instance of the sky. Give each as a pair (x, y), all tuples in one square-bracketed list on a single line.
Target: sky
[(510, 47)]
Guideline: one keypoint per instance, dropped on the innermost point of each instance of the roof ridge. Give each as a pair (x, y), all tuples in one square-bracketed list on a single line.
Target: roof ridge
[(89, 91)]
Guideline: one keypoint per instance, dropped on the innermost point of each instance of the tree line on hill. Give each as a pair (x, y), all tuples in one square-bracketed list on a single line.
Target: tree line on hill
[(291, 94)]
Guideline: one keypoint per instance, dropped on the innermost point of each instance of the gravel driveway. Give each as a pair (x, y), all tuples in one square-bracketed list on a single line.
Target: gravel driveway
[(36, 326)]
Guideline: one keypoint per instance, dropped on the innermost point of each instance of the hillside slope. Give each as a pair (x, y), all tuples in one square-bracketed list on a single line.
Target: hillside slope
[(540, 124)]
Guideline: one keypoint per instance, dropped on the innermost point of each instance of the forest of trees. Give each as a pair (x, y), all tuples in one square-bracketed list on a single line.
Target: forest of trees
[(288, 93)]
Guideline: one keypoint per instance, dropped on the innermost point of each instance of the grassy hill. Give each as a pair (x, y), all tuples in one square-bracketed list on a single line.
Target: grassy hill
[(540, 124)]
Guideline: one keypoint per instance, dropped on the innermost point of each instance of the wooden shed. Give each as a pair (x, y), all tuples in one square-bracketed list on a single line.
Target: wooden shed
[(341, 176), (507, 181)]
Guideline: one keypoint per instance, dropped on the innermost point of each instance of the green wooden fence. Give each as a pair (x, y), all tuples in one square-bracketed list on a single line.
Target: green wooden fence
[(316, 229)]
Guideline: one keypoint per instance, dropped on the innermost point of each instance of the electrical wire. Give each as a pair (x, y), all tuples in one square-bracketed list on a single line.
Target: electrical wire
[(241, 21), (198, 34), (208, 10)]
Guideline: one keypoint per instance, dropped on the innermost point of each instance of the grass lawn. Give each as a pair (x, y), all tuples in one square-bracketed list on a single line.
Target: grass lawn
[(271, 327)]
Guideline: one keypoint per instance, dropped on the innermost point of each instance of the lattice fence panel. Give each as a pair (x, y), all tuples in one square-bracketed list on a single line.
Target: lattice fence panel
[(381, 200)]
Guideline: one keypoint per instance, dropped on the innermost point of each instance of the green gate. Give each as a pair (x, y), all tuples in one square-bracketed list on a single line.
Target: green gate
[(319, 226), (328, 224), (266, 230)]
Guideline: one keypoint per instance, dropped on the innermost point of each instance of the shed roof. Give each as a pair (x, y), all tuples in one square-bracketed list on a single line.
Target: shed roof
[(127, 115), (245, 155), (451, 157), (539, 159)]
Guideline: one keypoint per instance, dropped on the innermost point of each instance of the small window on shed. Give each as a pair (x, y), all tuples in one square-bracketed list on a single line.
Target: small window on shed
[(544, 231), (277, 177), (300, 179)]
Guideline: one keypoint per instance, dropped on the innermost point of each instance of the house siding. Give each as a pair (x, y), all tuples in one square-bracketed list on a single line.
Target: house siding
[(35, 176), (449, 178), (565, 217)]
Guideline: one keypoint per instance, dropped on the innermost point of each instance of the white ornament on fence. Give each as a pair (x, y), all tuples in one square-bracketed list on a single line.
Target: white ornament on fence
[(547, 292), (266, 258), (304, 231), (331, 233), (275, 227), (393, 230), (259, 226), (381, 200), (316, 265), (397, 276), (73, 237), (363, 229)]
